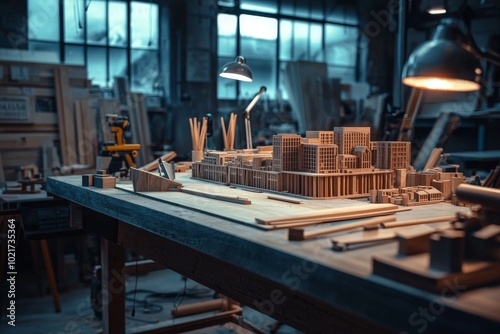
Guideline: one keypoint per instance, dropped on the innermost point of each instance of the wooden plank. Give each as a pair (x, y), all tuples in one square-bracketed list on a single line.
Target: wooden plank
[(327, 214), (153, 165), (66, 118), (302, 234), (113, 279), (419, 221)]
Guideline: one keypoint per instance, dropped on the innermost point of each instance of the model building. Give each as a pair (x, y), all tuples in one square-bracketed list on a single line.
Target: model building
[(324, 164)]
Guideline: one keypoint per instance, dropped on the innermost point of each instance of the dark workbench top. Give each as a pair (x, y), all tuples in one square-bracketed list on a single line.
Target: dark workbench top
[(303, 283)]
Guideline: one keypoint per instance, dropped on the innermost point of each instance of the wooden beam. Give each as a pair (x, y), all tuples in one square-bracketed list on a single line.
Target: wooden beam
[(301, 234)]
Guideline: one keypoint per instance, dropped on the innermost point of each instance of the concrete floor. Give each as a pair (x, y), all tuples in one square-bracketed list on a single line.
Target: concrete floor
[(35, 313)]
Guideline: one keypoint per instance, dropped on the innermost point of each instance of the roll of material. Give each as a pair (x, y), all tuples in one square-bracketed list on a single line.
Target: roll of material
[(488, 198)]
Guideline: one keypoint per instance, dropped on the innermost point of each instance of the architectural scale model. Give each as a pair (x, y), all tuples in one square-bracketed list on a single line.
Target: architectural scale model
[(418, 188), (324, 164)]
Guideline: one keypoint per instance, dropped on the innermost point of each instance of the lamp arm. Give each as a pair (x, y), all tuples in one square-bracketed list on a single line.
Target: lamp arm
[(255, 99)]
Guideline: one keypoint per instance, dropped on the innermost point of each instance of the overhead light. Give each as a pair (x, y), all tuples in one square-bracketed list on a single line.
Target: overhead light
[(447, 62), (237, 70), (437, 10)]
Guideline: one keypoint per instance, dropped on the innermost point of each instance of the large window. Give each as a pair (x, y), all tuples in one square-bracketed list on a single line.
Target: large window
[(269, 37), (96, 34)]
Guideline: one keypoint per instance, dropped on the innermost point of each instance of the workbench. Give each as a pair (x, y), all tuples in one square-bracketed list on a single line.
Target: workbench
[(302, 283)]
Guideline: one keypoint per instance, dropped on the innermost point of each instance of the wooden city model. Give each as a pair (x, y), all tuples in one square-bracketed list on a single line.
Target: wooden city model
[(343, 163)]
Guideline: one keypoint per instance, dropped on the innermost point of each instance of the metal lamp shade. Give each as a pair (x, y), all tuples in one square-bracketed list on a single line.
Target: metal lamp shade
[(237, 70), (443, 64)]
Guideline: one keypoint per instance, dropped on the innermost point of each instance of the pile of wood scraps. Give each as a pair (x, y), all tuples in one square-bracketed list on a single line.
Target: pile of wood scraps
[(37, 102)]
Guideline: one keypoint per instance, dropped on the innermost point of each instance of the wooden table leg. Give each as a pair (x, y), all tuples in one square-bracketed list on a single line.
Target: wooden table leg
[(50, 274), (113, 287)]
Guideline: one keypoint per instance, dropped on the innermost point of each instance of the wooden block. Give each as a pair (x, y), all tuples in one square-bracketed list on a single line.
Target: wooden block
[(486, 243), (101, 172), (87, 180), (104, 181), (143, 181), (447, 250), (415, 240)]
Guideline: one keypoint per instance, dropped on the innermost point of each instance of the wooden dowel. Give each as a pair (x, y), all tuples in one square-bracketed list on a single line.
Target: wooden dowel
[(199, 307), (301, 234), (418, 221), (285, 199), (232, 199), (224, 133)]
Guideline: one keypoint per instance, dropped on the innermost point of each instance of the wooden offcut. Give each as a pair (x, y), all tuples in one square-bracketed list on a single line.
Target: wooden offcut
[(302, 234), (326, 215), (143, 181)]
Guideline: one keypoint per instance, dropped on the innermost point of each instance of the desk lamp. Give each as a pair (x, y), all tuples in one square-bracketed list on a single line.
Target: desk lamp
[(238, 70), (448, 62)]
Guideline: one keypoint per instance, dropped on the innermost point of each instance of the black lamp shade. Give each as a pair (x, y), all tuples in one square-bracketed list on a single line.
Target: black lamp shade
[(443, 64), (237, 70)]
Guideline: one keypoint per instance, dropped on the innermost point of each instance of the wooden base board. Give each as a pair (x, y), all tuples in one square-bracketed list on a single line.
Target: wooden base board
[(414, 270)]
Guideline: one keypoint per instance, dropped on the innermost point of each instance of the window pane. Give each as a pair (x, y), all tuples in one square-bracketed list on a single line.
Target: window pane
[(96, 23), (263, 6), (346, 74), (73, 21), (226, 88), (300, 40), (144, 25), (316, 42), (117, 29), (117, 63), (43, 20), (96, 65), (258, 27), (285, 40), (226, 29), (264, 74), (340, 45), (282, 88), (52, 48), (258, 43), (144, 70), (74, 55), (341, 13), (287, 7)]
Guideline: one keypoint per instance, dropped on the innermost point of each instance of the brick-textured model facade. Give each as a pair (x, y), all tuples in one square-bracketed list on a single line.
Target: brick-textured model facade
[(318, 158), (286, 152), (348, 138), (393, 154)]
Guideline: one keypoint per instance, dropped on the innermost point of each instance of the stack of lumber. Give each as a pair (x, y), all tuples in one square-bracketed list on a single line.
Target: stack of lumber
[(50, 117), (38, 117)]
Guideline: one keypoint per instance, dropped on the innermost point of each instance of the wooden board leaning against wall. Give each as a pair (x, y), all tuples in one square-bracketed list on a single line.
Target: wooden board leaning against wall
[(52, 117)]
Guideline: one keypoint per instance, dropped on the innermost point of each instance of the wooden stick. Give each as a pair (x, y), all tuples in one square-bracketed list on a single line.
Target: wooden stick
[(232, 199), (341, 242), (285, 199), (301, 234), (193, 139), (324, 215), (419, 221), (224, 133)]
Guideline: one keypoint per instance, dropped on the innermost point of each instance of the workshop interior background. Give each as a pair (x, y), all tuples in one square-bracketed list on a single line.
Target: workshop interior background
[(324, 64)]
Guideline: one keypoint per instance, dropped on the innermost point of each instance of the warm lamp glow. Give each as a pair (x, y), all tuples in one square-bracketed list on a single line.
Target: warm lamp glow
[(446, 84), (446, 63)]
